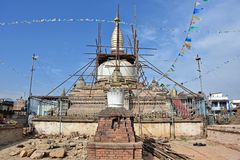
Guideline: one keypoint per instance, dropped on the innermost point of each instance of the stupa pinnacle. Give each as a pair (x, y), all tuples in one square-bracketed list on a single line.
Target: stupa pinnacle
[(114, 39)]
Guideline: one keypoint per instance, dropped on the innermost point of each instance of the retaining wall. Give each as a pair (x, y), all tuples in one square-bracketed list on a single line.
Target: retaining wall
[(225, 134), (10, 134), (187, 128)]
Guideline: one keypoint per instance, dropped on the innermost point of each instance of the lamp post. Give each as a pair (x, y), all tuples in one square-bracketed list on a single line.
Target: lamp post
[(34, 58), (202, 102), (198, 59)]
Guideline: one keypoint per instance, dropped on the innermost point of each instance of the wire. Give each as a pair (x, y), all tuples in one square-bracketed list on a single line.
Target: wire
[(70, 77), (154, 68), (213, 70), (80, 76)]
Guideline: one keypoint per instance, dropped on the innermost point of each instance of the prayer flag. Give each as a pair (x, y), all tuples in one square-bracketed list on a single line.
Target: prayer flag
[(182, 53), (193, 22), (197, 3), (171, 69), (197, 10), (226, 62), (188, 39), (187, 45), (191, 28), (196, 18)]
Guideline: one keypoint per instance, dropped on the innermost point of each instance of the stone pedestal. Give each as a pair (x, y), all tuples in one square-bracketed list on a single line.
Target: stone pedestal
[(115, 137)]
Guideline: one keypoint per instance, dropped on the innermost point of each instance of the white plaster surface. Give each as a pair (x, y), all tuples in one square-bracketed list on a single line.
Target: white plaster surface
[(155, 129), (188, 129)]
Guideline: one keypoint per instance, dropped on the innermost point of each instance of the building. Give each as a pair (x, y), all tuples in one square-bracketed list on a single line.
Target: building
[(6, 108), (19, 105), (219, 103), (45, 108), (6, 104), (234, 104)]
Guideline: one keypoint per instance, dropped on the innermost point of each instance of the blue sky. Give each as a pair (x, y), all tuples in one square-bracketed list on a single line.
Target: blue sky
[(161, 24)]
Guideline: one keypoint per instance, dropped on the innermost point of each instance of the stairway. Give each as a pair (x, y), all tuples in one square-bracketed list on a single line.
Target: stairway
[(181, 109)]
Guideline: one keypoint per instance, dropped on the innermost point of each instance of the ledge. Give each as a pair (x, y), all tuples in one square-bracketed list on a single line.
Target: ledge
[(10, 127), (99, 145), (235, 129), (91, 120)]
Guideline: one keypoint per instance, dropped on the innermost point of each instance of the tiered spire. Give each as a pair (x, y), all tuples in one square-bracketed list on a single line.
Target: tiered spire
[(117, 40)]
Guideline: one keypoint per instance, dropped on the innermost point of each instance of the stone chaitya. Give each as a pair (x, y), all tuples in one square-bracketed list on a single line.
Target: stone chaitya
[(115, 125), (115, 136)]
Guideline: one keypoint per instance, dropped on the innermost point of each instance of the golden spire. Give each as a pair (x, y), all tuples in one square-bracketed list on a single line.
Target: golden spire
[(115, 35)]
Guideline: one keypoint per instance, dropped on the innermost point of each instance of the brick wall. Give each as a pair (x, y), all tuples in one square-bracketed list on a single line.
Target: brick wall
[(110, 151), (123, 132)]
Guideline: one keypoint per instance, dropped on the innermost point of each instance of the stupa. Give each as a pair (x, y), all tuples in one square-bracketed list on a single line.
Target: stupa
[(115, 136)]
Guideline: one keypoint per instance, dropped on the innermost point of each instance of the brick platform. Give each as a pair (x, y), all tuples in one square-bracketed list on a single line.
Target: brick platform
[(119, 151), (115, 137)]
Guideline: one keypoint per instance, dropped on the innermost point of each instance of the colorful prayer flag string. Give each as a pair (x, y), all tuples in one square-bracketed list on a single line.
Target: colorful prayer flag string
[(53, 20), (188, 40)]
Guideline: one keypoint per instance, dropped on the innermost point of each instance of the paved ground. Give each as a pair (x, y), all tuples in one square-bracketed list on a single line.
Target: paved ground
[(212, 151)]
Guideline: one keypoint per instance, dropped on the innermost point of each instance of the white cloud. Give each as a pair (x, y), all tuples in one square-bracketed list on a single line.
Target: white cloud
[(148, 33)]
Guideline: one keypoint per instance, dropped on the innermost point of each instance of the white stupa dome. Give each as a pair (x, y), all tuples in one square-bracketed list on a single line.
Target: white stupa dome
[(106, 69)]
